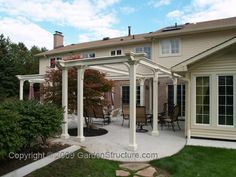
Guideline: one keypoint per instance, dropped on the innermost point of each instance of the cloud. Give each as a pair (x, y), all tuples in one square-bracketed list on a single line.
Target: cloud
[(22, 30), (201, 10), (174, 14), (85, 37), (128, 10), (86, 15), (158, 3)]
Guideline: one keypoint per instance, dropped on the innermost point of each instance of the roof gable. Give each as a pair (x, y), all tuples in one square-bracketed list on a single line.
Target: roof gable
[(183, 66)]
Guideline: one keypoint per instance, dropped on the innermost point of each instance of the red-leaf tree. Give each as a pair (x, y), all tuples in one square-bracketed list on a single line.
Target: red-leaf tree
[(95, 85)]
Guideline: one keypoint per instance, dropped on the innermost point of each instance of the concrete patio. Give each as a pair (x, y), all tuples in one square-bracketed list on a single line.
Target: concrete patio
[(113, 145)]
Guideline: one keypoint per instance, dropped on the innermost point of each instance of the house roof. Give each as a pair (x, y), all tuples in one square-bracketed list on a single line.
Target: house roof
[(97, 44), (183, 66), (188, 28)]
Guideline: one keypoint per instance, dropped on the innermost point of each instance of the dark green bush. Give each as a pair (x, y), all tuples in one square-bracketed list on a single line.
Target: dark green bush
[(37, 120), (50, 119), (11, 134)]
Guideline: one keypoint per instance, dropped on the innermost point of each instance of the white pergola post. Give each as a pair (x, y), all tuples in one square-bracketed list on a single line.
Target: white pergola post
[(65, 134), (155, 131), (142, 92), (21, 89), (175, 81), (188, 108), (80, 103), (132, 112), (150, 95)]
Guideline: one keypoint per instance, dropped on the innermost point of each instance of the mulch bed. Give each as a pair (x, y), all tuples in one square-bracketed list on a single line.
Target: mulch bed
[(11, 164), (88, 132)]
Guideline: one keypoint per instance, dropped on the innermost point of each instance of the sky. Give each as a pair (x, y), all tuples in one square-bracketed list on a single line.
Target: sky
[(34, 22)]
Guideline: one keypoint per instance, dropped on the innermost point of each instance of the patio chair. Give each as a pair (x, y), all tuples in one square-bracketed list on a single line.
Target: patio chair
[(114, 113), (172, 118), (89, 113), (164, 111), (99, 114), (141, 118), (125, 113)]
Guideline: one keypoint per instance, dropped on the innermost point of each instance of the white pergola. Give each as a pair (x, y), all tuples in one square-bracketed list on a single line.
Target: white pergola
[(130, 66), (33, 78)]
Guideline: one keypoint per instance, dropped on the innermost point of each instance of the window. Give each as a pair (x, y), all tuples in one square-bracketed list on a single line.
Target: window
[(170, 47), (52, 62), (125, 95), (180, 98), (88, 55), (225, 100), (203, 100), (116, 52), (146, 50)]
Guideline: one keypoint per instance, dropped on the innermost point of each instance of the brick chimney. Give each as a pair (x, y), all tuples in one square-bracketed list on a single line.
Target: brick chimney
[(58, 40)]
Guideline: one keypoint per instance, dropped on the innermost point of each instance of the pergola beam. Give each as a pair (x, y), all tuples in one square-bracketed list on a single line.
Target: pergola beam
[(112, 70)]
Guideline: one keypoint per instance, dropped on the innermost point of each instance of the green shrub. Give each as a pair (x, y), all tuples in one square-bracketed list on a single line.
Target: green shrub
[(11, 134), (38, 120), (50, 118)]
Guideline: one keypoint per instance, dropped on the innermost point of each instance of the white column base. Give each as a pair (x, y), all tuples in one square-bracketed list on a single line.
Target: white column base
[(81, 138), (189, 134), (155, 133), (132, 147), (65, 136)]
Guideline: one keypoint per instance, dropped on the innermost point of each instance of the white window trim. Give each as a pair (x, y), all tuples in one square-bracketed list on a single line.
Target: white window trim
[(142, 46), (234, 100), (194, 99), (121, 90), (170, 54), (83, 53), (116, 52)]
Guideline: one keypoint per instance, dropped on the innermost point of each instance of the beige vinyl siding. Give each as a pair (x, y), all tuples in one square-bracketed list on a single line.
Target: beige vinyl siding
[(192, 45), (44, 64), (222, 63)]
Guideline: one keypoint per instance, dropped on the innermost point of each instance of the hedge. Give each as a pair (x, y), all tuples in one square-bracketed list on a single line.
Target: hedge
[(32, 120)]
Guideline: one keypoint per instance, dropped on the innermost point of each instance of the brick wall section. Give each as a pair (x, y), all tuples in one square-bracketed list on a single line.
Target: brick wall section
[(161, 97)]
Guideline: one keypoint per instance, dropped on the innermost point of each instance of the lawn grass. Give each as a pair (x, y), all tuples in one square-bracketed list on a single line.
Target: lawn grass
[(193, 161), (78, 167)]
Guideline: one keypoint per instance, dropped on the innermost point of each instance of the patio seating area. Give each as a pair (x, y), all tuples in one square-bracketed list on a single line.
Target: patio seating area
[(113, 145)]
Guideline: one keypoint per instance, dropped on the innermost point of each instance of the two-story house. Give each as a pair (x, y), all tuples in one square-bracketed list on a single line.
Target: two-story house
[(203, 53)]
